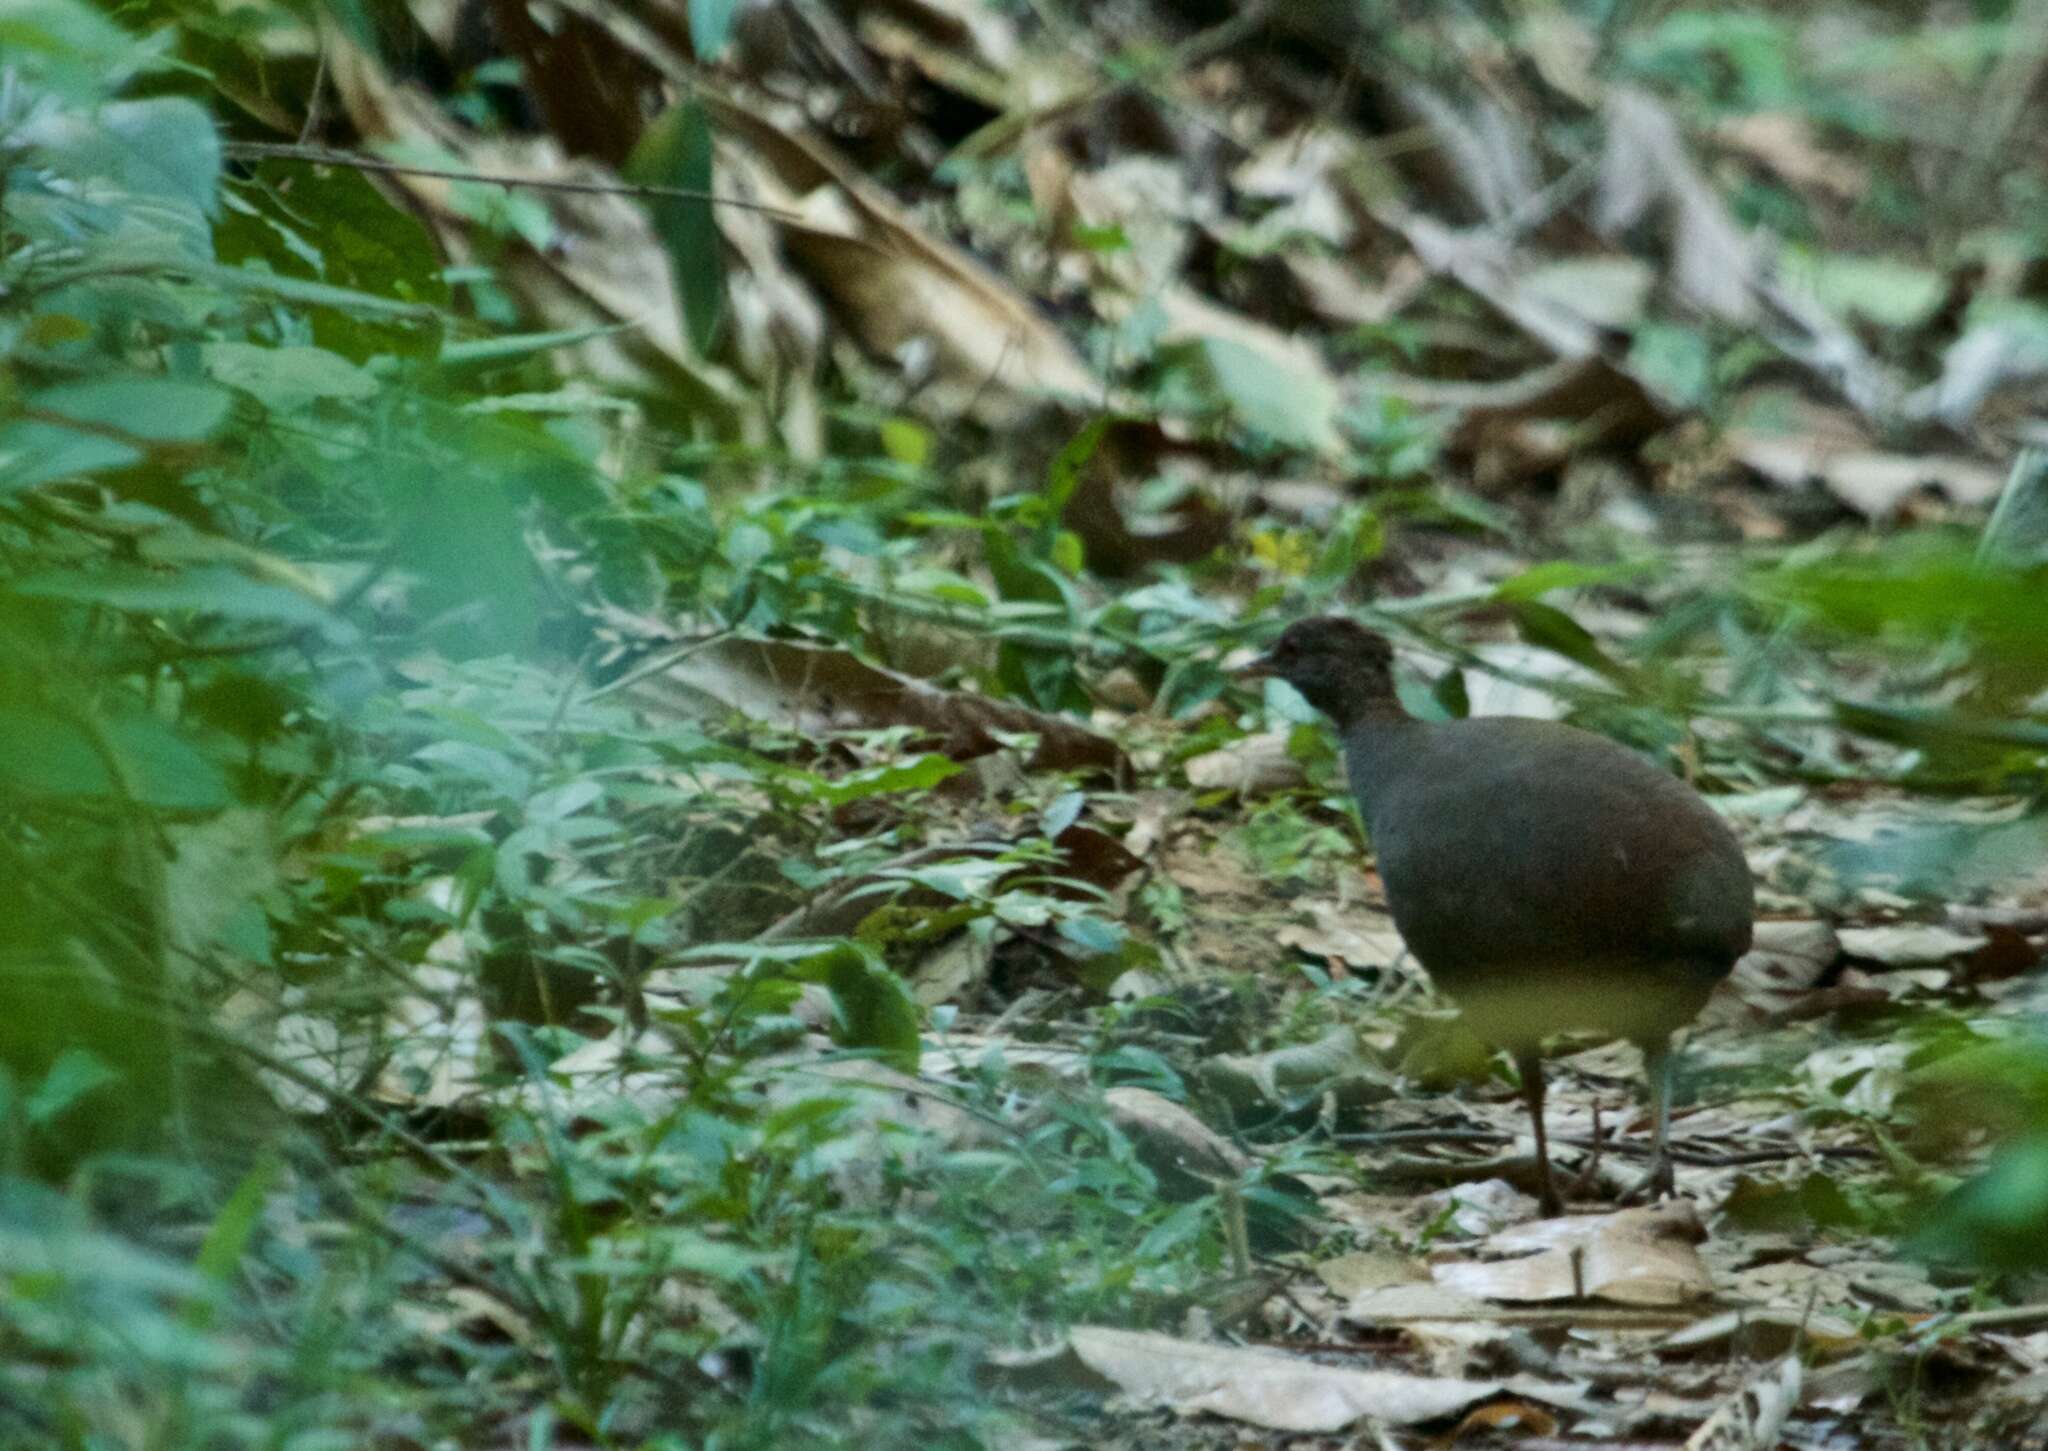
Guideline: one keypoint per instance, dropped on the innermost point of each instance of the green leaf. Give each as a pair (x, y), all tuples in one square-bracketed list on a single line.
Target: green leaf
[(330, 228), (1993, 1222), (1063, 476), (511, 347), (166, 149), (43, 754), (75, 1075), (676, 151), (1541, 579), (1290, 405), (227, 1238), (33, 453), (211, 591), (164, 410), (286, 379), (69, 47), (1358, 538), (1553, 629), (876, 1009), (710, 27), (919, 775)]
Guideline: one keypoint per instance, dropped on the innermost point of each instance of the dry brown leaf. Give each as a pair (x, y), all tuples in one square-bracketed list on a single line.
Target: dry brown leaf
[(1534, 423), (958, 1057), (1754, 1417), (1333, 1063), (1524, 1418), (1129, 452), (816, 690), (1346, 933), (604, 264), (1986, 360), (1785, 961), (1633, 1257), (951, 972), (1779, 1327), (1867, 1077), (1408, 1302), (1909, 944), (900, 288), (1485, 264), (1262, 1387), (1794, 442), (1333, 288), (1364, 1273), (1251, 764), (1647, 171), (1171, 1141), (1785, 142)]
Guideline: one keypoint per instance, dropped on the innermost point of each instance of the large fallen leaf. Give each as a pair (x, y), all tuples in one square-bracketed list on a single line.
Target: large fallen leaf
[(1909, 944), (1172, 1141), (1261, 1387), (1347, 933), (1647, 171), (1254, 764), (818, 689), (1634, 1257), (1793, 441), (897, 286), (583, 260), (1786, 960)]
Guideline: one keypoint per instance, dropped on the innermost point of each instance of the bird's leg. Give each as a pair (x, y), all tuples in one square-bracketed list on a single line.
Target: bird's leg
[(1659, 1063), (1530, 1067)]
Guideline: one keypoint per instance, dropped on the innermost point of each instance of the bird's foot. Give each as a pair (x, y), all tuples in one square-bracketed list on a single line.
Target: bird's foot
[(1659, 1183)]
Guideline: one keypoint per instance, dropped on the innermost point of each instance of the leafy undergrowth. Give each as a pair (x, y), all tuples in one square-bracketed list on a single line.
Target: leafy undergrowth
[(626, 821)]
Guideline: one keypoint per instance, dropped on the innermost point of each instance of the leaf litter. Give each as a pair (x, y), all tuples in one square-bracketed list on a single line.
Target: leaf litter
[(1791, 1168)]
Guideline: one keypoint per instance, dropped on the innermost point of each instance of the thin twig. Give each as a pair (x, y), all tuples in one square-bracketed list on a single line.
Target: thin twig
[(326, 156)]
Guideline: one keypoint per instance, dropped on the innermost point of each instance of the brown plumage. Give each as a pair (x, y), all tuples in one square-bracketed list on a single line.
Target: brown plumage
[(1548, 879)]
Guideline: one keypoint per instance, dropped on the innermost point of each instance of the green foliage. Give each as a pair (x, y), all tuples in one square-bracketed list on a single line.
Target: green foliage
[(323, 601)]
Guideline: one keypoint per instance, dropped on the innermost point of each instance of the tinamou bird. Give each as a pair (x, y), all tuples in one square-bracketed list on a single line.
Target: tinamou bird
[(1548, 879)]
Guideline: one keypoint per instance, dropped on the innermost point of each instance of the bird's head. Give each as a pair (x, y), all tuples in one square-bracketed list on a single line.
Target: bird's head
[(1340, 667)]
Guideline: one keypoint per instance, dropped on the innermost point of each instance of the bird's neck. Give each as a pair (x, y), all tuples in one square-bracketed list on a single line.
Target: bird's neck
[(1363, 701), (1375, 745)]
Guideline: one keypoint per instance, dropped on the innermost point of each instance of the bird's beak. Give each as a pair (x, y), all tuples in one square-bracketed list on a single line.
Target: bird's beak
[(1262, 668)]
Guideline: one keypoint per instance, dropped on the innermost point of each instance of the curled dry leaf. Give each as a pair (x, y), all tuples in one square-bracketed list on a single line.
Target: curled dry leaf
[(1172, 1142), (1774, 1328), (1333, 1064), (1786, 960), (1754, 1418), (1647, 171), (1257, 1387), (1346, 934), (897, 286), (1607, 407), (601, 264), (1985, 360), (1251, 764), (817, 689), (1794, 442), (1785, 142), (1633, 1257), (1909, 944)]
